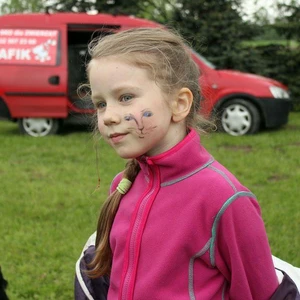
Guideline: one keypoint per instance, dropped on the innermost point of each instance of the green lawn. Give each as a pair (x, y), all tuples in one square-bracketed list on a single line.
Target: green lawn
[(49, 202)]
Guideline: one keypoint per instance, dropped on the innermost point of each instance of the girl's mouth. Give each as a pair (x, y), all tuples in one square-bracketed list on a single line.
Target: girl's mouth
[(117, 137)]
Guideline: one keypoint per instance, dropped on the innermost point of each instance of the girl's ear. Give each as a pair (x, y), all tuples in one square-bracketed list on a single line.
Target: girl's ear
[(181, 104)]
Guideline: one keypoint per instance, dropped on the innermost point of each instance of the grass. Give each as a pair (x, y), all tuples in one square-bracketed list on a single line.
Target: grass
[(49, 202)]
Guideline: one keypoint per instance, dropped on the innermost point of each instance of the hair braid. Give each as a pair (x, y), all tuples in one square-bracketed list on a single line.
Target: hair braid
[(101, 264)]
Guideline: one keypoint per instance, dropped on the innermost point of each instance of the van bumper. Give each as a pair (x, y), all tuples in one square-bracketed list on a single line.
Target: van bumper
[(4, 111), (275, 111)]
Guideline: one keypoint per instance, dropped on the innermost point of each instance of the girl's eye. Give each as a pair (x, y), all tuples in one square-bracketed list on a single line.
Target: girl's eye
[(100, 105), (126, 98)]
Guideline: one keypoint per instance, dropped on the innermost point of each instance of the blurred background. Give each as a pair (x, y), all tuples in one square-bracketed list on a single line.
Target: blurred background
[(256, 36)]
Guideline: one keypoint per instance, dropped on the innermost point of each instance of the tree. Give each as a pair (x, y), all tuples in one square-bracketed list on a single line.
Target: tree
[(287, 23), (69, 6), (115, 7), (18, 6), (216, 28)]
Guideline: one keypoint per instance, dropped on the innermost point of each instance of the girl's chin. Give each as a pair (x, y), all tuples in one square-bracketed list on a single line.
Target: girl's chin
[(129, 155), (127, 152)]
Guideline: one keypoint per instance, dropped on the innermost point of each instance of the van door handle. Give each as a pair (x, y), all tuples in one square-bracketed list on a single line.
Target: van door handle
[(54, 80)]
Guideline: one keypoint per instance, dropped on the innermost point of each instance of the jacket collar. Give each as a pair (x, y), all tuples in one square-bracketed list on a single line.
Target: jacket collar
[(181, 161)]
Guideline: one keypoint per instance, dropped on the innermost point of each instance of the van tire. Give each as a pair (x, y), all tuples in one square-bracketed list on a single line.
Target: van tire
[(239, 117), (38, 127)]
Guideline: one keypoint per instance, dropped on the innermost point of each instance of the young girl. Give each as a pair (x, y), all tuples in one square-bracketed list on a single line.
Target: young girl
[(177, 224)]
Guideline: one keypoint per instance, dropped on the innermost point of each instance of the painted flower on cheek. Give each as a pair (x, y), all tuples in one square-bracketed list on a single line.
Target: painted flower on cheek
[(147, 114), (139, 123)]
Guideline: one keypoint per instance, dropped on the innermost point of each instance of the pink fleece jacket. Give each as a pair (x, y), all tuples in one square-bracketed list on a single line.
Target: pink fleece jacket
[(188, 229)]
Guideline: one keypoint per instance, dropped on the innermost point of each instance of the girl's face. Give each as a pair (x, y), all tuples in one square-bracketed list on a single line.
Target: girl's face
[(133, 115)]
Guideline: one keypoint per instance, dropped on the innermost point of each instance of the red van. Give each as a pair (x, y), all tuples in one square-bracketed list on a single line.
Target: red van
[(42, 61)]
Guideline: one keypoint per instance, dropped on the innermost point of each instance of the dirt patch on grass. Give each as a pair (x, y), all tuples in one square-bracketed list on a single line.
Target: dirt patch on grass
[(36, 175), (292, 127), (281, 148), (277, 177)]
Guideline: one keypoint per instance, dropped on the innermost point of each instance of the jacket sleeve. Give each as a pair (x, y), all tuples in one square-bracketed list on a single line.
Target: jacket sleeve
[(242, 251), (86, 288), (289, 279), (287, 290)]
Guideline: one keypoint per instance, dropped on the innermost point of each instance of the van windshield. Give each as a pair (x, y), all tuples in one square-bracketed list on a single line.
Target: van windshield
[(203, 59)]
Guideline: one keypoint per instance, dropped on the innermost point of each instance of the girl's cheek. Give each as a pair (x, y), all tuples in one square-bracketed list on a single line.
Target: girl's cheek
[(100, 124)]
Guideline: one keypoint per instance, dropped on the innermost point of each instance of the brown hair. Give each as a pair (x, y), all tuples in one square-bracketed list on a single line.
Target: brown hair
[(165, 55), (101, 264)]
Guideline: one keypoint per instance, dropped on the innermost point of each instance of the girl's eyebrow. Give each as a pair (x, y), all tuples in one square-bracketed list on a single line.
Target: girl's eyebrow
[(116, 91), (96, 98), (122, 88)]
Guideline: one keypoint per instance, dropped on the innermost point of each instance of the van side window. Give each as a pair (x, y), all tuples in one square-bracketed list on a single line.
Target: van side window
[(29, 46)]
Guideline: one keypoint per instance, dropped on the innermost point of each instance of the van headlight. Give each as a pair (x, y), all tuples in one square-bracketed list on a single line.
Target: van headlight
[(278, 92)]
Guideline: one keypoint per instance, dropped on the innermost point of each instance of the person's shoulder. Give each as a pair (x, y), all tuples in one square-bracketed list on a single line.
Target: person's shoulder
[(218, 187), (222, 179)]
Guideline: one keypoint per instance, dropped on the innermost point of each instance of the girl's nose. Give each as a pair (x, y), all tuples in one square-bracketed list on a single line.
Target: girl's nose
[(111, 116)]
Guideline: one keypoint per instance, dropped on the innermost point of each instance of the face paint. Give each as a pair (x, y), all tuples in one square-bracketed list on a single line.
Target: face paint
[(140, 127)]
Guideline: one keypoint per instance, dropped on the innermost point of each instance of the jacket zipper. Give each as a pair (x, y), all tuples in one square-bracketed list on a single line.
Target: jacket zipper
[(133, 248)]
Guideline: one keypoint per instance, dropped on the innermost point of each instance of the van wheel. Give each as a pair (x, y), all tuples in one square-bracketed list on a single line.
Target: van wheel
[(239, 117), (38, 127)]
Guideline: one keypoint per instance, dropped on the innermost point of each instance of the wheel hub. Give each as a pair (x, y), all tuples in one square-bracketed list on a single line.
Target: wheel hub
[(236, 119), (37, 126)]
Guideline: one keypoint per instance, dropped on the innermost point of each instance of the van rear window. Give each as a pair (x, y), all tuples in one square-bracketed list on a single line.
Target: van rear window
[(28, 46)]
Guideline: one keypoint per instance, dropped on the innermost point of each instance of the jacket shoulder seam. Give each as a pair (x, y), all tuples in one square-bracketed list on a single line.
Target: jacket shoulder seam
[(217, 219)]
